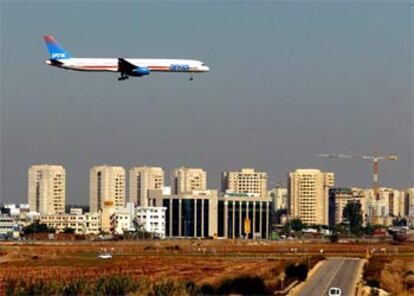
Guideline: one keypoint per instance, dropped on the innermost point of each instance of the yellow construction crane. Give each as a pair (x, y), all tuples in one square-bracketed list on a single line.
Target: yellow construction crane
[(374, 158)]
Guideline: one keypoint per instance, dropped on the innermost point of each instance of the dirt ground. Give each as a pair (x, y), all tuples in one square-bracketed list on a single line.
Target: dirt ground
[(202, 261)]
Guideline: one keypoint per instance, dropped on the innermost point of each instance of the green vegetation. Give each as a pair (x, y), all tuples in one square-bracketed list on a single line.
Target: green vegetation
[(297, 271), (68, 230), (297, 225), (399, 221), (113, 285), (242, 285), (373, 269), (37, 227), (353, 214)]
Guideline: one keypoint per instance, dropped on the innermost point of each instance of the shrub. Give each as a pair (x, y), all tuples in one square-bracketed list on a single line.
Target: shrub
[(170, 288), (297, 271), (373, 283), (76, 287), (115, 285), (334, 238), (244, 285)]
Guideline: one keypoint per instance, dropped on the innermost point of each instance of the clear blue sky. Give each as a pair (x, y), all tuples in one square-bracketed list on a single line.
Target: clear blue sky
[(287, 81)]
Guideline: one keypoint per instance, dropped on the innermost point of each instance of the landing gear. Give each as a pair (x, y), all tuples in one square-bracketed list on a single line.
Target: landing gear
[(123, 77), (191, 77)]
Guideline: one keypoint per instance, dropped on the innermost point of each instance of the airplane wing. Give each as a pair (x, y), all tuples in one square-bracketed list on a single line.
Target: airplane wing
[(125, 67)]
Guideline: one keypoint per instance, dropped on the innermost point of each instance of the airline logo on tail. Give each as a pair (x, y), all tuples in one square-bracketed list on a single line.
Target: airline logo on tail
[(56, 51)]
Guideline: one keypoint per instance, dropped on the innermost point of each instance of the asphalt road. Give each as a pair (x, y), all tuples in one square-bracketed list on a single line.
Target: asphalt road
[(334, 272)]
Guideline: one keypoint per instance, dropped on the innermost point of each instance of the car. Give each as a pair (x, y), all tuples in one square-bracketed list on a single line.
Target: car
[(335, 291), (105, 256)]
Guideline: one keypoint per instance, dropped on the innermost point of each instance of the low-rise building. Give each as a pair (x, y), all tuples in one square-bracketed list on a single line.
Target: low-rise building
[(151, 219), (190, 214), (122, 221), (15, 209), (7, 224), (88, 223), (243, 216)]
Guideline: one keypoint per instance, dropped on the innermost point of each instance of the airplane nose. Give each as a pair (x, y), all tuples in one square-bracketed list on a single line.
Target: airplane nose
[(48, 62), (206, 68)]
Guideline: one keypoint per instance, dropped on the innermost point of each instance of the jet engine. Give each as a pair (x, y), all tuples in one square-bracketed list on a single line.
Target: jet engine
[(140, 71)]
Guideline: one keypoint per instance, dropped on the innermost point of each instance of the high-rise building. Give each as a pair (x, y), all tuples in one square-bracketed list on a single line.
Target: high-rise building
[(142, 179), (47, 189), (339, 198), (409, 202), (245, 181), (107, 183), (185, 180), (279, 197), (309, 195)]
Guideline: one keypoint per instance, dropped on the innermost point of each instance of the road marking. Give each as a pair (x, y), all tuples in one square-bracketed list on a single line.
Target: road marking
[(333, 276)]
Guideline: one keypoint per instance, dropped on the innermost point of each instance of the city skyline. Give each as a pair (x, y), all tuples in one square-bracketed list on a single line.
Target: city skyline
[(282, 88), (129, 183)]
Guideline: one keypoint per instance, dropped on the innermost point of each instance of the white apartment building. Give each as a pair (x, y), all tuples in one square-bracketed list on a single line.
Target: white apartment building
[(7, 224), (107, 183), (390, 204), (188, 179), (245, 181), (46, 189), (148, 219), (88, 223), (142, 179), (17, 209), (151, 219), (309, 195), (121, 221)]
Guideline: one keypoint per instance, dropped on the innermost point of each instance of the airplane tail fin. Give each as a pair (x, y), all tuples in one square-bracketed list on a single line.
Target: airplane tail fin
[(56, 51)]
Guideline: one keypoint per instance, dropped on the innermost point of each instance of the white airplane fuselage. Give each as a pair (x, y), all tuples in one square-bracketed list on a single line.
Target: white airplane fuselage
[(111, 64)]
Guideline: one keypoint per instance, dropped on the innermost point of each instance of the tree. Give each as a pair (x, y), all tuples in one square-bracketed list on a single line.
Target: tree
[(399, 221), (69, 230), (353, 214), (297, 271), (334, 237), (369, 229), (296, 224), (37, 227)]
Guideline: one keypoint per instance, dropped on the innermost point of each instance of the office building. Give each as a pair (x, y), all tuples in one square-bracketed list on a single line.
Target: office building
[(309, 195), (186, 180), (192, 214), (107, 183), (245, 181), (46, 190), (142, 179), (243, 216)]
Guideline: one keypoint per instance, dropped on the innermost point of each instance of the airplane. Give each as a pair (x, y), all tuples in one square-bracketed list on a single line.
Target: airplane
[(127, 67)]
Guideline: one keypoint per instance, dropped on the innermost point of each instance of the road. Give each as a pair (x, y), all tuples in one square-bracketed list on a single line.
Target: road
[(334, 272)]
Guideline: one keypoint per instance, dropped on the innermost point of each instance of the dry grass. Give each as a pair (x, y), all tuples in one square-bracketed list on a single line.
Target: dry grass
[(202, 261)]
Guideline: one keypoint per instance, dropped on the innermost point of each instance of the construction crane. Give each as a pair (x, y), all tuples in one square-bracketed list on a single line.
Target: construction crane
[(374, 158)]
